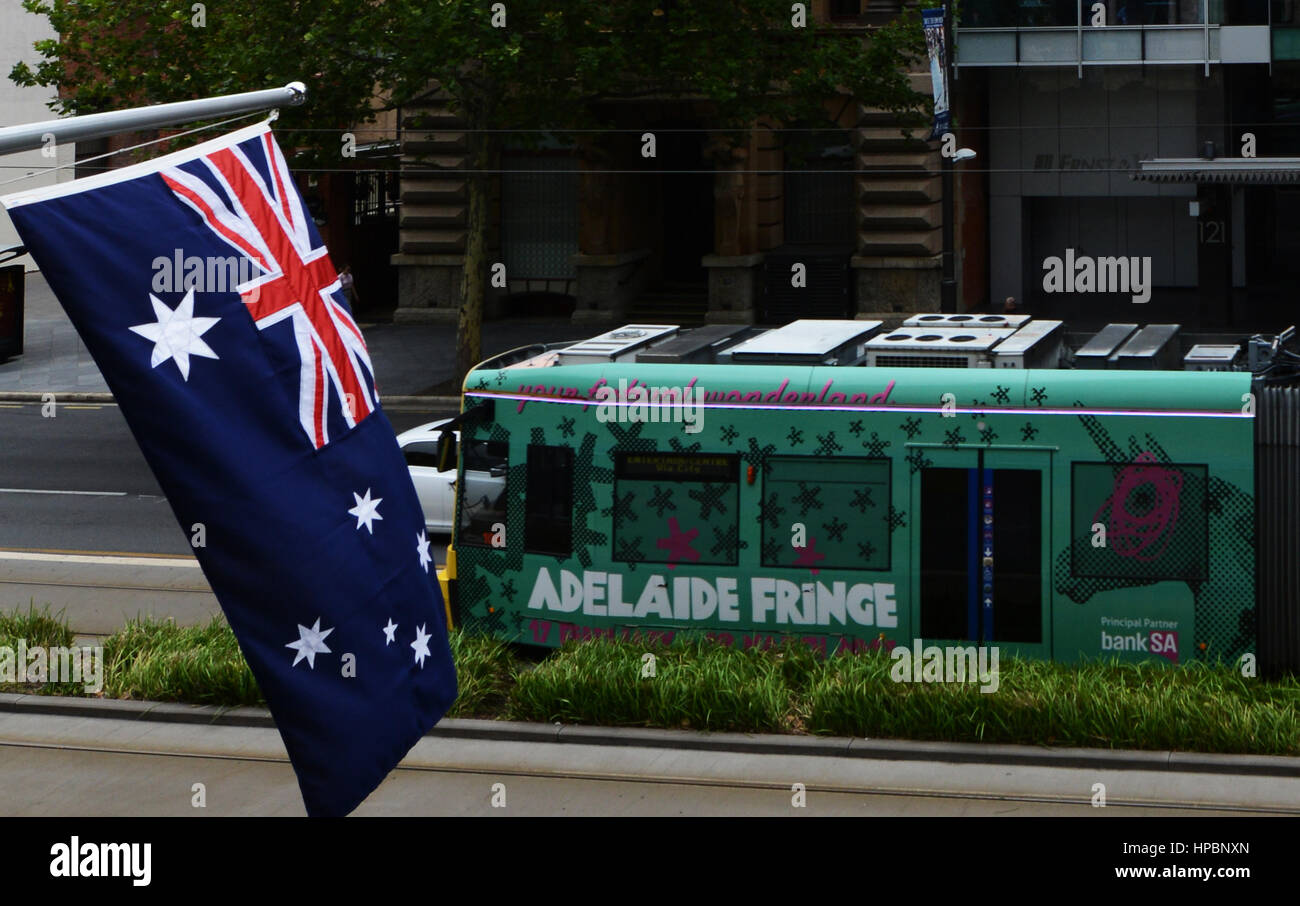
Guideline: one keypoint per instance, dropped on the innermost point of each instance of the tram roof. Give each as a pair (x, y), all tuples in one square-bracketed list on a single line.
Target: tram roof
[(1064, 391)]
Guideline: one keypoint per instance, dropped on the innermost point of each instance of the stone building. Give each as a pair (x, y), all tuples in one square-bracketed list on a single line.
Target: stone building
[(704, 231)]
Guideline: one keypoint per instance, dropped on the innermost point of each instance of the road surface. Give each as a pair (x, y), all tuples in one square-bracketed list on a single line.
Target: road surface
[(84, 526)]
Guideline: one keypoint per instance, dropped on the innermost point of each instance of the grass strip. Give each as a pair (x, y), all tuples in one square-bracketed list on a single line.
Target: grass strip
[(1098, 704), (31, 629), (160, 661), (696, 684)]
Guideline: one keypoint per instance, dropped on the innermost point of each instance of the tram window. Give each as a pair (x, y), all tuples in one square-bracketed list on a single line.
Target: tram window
[(482, 491), (677, 508), (1154, 516), (486, 455), (843, 505), (548, 505)]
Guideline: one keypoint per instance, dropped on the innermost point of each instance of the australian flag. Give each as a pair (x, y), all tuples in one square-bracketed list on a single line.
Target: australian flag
[(201, 287)]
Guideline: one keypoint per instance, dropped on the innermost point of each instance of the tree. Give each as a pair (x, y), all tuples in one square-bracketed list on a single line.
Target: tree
[(524, 65)]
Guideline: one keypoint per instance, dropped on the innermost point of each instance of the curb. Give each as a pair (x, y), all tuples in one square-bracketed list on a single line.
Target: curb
[(82, 396), (694, 740)]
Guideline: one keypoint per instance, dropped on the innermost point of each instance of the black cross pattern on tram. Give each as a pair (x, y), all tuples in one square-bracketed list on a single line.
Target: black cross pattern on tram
[(828, 445), (895, 518), (862, 499), (660, 500), (835, 528), (629, 550), (808, 498), (876, 446), (708, 497), (770, 511), (756, 455), (621, 510)]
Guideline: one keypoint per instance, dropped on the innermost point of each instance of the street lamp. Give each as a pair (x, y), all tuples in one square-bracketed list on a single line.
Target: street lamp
[(948, 287)]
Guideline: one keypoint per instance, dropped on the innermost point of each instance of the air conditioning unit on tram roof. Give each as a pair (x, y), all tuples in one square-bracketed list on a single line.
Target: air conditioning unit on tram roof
[(1038, 344), (936, 347), (619, 345), (806, 342), (967, 321)]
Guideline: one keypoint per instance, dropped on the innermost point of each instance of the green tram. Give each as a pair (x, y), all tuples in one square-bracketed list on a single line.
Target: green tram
[(1059, 514)]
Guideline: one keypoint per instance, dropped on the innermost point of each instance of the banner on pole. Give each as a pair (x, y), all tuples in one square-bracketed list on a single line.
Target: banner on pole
[(937, 45)]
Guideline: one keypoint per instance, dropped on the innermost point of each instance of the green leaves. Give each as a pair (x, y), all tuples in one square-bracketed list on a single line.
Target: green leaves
[(551, 68)]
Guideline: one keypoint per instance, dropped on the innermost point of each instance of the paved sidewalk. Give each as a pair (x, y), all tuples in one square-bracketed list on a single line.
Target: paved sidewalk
[(409, 359)]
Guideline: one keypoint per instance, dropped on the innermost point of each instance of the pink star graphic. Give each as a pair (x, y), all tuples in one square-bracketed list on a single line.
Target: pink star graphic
[(678, 543), (808, 556)]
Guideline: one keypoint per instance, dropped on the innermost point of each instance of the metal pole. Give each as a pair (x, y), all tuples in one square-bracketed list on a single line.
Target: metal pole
[(136, 119), (948, 286)]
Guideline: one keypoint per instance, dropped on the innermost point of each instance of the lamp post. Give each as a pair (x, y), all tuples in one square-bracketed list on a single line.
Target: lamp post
[(948, 284), (948, 287)]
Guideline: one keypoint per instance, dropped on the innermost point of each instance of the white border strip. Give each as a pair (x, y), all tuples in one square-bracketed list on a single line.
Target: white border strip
[(105, 560), (134, 171)]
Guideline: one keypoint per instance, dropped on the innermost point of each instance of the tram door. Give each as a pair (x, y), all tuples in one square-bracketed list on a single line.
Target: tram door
[(981, 549)]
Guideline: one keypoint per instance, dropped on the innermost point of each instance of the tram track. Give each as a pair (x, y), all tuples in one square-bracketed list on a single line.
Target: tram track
[(128, 756), (705, 785)]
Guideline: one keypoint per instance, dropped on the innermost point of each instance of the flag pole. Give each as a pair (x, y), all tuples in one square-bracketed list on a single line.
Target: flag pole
[(135, 119)]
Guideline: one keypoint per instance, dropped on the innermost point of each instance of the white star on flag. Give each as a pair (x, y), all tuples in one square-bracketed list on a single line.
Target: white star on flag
[(421, 646), (388, 632), (366, 511), (422, 547), (176, 334), (311, 642)]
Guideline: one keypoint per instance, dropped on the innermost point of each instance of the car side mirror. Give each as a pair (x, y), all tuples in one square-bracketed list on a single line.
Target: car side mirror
[(447, 452)]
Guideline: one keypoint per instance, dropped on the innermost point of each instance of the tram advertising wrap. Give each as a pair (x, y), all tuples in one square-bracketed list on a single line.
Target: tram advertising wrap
[(1054, 514)]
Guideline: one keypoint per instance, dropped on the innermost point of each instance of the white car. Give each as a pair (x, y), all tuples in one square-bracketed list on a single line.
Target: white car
[(485, 470)]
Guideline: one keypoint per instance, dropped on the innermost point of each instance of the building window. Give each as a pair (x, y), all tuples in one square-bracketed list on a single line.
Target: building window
[(1153, 515), (845, 9), (677, 508), (821, 205), (843, 505), (548, 505)]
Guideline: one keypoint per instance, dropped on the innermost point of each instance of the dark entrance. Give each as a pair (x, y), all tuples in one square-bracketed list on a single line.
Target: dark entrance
[(685, 191)]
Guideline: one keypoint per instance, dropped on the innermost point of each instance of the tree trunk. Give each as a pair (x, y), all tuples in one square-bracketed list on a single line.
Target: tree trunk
[(473, 284)]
